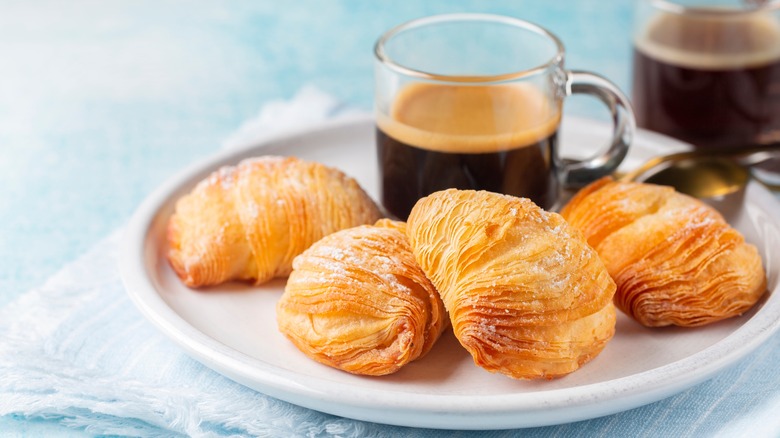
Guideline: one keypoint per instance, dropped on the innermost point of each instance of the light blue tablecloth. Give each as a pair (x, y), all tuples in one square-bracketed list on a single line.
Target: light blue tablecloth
[(100, 102)]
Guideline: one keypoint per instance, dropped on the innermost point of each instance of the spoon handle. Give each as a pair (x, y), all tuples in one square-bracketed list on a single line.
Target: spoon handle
[(756, 154), (746, 156)]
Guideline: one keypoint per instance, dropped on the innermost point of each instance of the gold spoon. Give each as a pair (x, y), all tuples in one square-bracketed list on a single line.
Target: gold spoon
[(704, 173)]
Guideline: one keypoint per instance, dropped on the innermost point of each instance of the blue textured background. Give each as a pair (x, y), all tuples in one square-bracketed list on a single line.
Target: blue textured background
[(100, 102)]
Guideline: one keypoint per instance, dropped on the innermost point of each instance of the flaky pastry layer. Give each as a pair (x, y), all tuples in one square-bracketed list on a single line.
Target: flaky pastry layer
[(674, 258), (248, 222), (358, 301), (526, 295)]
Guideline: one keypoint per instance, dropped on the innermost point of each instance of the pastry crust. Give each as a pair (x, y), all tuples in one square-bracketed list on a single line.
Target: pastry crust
[(248, 222), (674, 258), (357, 301), (526, 295)]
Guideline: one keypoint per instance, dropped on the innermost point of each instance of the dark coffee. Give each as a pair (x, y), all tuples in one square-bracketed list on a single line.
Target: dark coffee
[(501, 139), (710, 81)]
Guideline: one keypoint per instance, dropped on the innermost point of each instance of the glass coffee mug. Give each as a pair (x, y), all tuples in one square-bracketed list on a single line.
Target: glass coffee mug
[(708, 71), (474, 101)]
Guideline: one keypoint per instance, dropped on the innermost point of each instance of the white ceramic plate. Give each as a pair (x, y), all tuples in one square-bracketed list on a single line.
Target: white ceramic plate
[(232, 328)]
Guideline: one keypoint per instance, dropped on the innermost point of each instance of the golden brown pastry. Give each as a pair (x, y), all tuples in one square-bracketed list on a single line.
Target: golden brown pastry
[(248, 222), (357, 301), (674, 258), (526, 295)]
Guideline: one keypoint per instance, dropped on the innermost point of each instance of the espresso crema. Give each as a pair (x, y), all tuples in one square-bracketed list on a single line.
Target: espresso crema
[(500, 138)]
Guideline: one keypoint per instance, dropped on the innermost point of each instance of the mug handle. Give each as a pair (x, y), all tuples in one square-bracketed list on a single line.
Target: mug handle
[(578, 173)]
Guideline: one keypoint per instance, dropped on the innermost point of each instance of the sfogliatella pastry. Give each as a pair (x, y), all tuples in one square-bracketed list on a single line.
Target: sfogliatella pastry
[(526, 295), (357, 301), (674, 258), (248, 222)]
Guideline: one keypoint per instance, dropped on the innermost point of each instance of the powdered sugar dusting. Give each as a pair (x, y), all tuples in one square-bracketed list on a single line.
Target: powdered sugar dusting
[(354, 255)]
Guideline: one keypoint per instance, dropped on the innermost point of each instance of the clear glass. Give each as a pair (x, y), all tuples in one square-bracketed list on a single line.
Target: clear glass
[(474, 101)]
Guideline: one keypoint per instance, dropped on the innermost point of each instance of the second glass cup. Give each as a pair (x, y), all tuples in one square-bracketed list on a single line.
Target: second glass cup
[(474, 101)]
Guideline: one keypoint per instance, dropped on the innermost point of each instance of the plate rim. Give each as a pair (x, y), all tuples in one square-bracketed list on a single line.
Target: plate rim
[(525, 409)]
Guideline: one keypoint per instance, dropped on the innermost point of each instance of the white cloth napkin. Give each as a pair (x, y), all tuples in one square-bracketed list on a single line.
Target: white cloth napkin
[(77, 351), (309, 106)]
